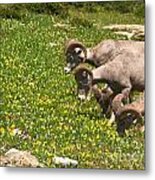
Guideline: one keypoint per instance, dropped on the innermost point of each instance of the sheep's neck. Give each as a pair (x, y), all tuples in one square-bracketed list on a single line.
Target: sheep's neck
[(97, 59), (90, 57), (101, 74)]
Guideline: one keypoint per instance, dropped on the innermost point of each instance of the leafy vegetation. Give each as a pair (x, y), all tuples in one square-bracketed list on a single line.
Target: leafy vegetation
[(39, 110)]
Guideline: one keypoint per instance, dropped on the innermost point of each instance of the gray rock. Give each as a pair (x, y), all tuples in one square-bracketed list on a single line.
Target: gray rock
[(17, 158)]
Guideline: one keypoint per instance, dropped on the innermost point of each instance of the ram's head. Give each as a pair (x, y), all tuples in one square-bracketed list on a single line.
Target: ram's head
[(75, 53), (84, 80)]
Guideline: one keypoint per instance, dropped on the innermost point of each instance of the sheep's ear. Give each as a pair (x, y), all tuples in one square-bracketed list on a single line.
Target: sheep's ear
[(89, 73)]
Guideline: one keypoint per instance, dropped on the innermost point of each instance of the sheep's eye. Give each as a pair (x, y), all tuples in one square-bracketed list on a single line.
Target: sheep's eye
[(79, 51)]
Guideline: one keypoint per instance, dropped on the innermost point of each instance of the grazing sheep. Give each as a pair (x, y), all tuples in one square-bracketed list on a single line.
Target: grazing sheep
[(102, 53), (124, 74), (125, 115), (113, 108), (105, 98)]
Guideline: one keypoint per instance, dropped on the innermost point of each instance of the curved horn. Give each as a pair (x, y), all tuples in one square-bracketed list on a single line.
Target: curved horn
[(123, 114), (79, 70), (117, 103), (72, 44), (124, 121)]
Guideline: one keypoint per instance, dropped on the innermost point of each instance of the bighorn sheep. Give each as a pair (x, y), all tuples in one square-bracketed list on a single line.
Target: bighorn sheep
[(102, 53), (123, 74), (126, 114), (123, 115)]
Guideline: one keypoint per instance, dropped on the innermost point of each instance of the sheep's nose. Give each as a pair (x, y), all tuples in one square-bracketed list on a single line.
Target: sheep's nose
[(81, 97), (67, 70)]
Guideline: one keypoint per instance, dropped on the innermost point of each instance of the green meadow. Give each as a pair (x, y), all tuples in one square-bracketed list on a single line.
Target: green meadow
[(39, 109)]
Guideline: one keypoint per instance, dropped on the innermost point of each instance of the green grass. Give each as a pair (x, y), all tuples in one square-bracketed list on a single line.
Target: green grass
[(39, 100)]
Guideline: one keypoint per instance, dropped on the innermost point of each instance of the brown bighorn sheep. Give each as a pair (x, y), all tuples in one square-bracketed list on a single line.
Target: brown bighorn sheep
[(126, 114), (113, 108), (123, 74), (102, 53)]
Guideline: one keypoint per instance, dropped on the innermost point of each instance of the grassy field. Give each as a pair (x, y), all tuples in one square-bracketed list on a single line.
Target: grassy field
[(39, 110)]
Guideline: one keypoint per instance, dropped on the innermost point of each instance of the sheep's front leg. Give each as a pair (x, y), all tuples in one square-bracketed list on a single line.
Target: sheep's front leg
[(112, 118)]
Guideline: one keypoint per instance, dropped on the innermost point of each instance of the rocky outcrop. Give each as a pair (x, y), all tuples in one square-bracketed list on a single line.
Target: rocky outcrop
[(17, 158)]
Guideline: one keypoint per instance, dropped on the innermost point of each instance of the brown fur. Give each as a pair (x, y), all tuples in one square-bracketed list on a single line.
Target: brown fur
[(103, 52), (124, 74), (107, 50), (126, 114)]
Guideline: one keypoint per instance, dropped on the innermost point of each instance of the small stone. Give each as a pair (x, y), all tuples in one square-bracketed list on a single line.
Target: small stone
[(65, 161)]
